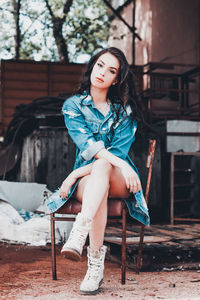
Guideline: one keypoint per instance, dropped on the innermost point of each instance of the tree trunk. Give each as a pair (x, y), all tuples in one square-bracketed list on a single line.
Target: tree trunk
[(59, 39), (57, 23), (16, 12)]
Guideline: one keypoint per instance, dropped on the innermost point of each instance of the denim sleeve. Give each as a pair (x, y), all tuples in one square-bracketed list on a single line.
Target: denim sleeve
[(82, 136), (124, 136)]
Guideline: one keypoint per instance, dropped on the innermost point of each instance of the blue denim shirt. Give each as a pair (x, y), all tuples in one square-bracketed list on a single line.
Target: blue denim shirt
[(91, 131)]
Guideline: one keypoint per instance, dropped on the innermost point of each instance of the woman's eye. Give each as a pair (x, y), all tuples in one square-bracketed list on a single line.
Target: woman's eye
[(100, 65), (111, 71)]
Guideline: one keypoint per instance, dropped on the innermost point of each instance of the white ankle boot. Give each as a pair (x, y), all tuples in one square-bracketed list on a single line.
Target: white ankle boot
[(94, 276), (73, 248)]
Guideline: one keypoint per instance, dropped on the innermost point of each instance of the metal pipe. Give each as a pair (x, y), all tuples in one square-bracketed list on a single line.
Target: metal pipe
[(123, 271), (149, 165), (53, 248)]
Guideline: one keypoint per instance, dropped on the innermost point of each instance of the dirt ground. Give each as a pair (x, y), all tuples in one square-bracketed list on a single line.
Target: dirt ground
[(25, 274)]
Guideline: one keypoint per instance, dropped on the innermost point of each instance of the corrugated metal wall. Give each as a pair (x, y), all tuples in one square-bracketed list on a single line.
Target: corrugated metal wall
[(23, 81)]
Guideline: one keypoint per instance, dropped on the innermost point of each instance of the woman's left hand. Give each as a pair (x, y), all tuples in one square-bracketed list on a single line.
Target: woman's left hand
[(131, 178), (67, 183)]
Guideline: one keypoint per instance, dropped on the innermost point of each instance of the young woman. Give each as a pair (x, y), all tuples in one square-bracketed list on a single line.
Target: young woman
[(102, 120)]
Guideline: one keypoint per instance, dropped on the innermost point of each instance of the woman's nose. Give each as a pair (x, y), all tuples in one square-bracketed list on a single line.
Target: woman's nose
[(102, 72)]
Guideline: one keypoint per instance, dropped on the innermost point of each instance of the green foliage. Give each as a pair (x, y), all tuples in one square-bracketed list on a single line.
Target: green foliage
[(88, 31), (85, 29), (7, 30)]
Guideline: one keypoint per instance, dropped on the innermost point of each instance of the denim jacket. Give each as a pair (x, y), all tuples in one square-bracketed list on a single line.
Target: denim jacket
[(91, 131)]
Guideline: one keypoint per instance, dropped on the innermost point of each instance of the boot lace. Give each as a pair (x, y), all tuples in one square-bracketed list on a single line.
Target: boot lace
[(93, 268), (77, 236)]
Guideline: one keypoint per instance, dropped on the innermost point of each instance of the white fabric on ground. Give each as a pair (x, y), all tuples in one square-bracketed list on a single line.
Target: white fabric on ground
[(22, 195), (35, 231)]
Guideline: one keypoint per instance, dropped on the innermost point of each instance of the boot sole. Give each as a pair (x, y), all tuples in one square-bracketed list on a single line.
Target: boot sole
[(91, 292), (71, 254)]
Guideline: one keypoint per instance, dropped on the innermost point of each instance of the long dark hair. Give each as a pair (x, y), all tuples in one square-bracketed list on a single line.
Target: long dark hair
[(123, 92)]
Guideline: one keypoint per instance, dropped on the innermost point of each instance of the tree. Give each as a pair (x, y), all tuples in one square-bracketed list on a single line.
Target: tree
[(16, 4), (57, 24), (7, 30), (90, 30), (54, 29)]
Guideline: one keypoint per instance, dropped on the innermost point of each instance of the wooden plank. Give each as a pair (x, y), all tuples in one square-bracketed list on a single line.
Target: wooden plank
[(8, 112), (168, 231), (26, 66), (61, 93), (63, 86), (165, 106), (26, 94), (186, 219), (63, 78), (175, 234), (111, 230), (63, 68), (135, 240), (25, 76), (40, 159), (177, 239), (26, 85), (193, 230), (6, 121), (11, 103)]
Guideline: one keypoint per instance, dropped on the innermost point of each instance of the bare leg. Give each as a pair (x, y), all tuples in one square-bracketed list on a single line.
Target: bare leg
[(93, 191), (104, 180), (98, 226), (117, 189)]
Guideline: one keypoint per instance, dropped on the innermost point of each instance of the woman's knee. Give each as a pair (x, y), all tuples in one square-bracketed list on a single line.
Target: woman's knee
[(102, 165)]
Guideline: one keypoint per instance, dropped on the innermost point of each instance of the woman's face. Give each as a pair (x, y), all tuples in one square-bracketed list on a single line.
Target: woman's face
[(105, 71)]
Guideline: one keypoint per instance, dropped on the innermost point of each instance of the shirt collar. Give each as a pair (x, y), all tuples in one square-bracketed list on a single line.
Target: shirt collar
[(86, 99)]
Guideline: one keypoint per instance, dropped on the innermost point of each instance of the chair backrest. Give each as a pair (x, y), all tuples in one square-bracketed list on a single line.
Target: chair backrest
[(149, 166)]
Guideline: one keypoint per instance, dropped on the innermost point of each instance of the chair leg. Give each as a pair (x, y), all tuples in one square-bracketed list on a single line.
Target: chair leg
[(139, 258), (123, 267), (53, 248), (149, 166)]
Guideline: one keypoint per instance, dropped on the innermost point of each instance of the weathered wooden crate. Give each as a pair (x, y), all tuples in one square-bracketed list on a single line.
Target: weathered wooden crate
[(47, 157)]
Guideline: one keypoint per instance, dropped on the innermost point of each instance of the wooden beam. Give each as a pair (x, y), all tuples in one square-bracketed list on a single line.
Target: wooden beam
[(131, 28)]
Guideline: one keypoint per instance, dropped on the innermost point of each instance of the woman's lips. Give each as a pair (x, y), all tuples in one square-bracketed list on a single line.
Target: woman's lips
[(99, 79)]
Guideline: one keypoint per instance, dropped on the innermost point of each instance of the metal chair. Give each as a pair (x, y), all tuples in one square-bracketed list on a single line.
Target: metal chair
[(116, 209)]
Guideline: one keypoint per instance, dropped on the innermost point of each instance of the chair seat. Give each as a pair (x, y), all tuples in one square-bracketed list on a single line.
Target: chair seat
[(73, 206)]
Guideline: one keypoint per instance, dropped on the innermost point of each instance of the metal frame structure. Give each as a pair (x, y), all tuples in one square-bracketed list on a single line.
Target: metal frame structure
[(168, 91)]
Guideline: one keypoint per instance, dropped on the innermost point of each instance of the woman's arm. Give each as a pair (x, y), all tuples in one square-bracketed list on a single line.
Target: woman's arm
[(80, 133), (116, 153), (72, 177), (131, 178)]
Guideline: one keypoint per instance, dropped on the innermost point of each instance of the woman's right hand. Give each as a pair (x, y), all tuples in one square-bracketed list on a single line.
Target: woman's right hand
[(131, 178), (67, 183)]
